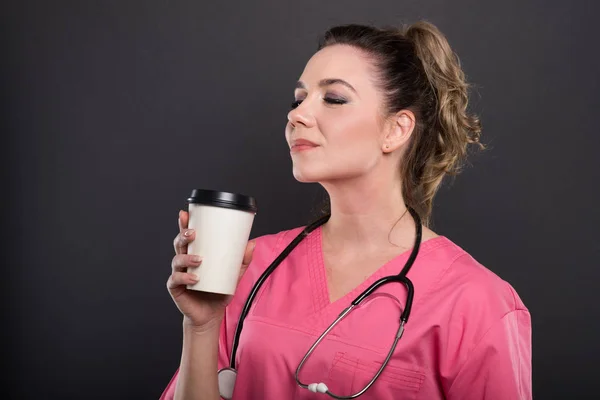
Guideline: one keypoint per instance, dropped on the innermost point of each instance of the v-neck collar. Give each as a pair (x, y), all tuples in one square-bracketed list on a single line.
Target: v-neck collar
[(318, 276)]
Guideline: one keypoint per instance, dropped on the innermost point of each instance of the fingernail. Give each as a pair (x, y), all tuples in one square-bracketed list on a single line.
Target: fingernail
[(197, 258), (188, 232), (194, 277)]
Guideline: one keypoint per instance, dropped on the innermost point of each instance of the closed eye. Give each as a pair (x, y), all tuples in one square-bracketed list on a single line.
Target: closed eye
[(327, 100)]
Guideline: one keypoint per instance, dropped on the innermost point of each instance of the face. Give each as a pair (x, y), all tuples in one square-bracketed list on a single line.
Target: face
[(338, 108)]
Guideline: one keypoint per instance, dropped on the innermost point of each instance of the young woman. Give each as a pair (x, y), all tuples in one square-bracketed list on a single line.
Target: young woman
[(379, 118)]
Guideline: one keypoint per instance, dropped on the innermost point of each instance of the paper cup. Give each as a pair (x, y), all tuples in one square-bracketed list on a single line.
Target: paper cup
[(222, 222)]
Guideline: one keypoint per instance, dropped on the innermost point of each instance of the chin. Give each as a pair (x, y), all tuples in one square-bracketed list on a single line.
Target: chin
[(304, 176)]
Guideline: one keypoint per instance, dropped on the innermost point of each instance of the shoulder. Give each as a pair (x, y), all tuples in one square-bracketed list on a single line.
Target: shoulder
[(474, 296), (473, 305), (486, 327)]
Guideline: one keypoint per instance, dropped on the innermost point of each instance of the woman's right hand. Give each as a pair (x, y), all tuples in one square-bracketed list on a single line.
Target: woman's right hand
[(201, 310)]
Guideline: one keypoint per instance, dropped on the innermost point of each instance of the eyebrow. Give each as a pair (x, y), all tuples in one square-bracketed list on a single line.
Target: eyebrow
[(327, 82)]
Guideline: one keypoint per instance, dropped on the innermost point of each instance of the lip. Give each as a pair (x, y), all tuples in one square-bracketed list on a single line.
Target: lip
[(302, 147), (302, 144)]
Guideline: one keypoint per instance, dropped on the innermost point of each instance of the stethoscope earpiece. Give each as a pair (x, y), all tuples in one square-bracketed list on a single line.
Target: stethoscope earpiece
[(318, 387)]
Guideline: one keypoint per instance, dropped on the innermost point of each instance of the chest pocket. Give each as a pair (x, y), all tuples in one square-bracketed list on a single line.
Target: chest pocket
[(397, 381)]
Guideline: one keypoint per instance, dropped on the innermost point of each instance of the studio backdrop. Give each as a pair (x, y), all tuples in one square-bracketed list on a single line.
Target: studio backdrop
[(113, 111)]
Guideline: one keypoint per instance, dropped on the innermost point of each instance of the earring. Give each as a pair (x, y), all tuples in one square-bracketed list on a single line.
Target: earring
[(387, 146)]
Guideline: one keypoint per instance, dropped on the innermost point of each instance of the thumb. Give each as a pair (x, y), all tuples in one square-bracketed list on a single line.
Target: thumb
[(249, 252), (247, 258)]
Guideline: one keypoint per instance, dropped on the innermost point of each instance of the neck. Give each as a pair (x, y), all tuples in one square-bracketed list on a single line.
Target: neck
[(368, 215)]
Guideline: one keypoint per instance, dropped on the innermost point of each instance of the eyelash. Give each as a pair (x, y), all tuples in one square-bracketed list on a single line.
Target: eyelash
[(327, 100)]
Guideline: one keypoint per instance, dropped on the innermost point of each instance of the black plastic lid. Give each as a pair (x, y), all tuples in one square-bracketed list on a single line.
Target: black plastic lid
[(223, 199)]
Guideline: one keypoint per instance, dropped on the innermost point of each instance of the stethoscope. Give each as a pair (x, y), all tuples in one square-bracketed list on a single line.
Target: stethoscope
[(227, 376)]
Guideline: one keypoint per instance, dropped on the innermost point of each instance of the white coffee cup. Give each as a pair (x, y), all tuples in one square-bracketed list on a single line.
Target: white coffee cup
[(222, 222)]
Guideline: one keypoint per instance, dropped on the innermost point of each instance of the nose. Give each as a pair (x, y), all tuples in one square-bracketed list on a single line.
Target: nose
[(301, 115)]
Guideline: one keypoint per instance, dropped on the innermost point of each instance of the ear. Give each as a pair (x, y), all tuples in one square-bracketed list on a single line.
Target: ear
[(401, 127)]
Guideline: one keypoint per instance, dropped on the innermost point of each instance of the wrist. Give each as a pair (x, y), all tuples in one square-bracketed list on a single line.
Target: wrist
[(207, 328)]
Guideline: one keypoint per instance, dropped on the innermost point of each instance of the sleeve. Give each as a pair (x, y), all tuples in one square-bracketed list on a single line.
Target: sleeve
[(499, 366)]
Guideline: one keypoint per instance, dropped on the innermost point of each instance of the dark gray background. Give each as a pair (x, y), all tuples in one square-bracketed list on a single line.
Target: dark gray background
[(112, 111)]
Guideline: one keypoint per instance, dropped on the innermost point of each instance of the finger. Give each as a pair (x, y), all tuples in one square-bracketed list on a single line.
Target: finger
[(249, 252), (182, 261), (181, 278), (183, 220), (182, 240)]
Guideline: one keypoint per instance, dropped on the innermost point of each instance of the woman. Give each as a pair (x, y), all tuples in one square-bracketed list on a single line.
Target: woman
[(379, 119)]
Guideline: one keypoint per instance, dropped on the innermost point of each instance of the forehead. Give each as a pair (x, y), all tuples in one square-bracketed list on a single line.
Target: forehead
[(339, 61)]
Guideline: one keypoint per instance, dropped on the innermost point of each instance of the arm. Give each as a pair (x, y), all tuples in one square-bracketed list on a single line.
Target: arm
[(197, 378), (204, 326), (499, 365), (203, 354), (197, 373)]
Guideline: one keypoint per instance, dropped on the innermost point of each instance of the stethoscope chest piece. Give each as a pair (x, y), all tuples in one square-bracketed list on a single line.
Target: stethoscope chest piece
[(226, 378)]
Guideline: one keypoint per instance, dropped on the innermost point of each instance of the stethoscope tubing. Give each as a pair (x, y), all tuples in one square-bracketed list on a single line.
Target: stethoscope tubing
[(248, 304), (400, 278)]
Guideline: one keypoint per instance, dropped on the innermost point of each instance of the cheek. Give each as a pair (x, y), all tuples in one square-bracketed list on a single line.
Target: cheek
[(353, 137), (350, 148)]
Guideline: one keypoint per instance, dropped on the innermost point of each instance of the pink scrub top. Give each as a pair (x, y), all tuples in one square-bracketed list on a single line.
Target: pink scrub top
[(468, 336)]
